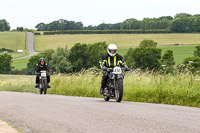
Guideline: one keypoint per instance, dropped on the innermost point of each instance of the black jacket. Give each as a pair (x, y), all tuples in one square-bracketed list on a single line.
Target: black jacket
[(40, 67), (109, 61)]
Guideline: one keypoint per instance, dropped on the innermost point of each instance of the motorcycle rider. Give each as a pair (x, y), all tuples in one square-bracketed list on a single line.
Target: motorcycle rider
[(110, 60), (39, 67)]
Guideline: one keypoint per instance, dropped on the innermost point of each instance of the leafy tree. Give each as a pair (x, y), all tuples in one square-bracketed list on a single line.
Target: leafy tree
[(40, 26), (180, 15), (4, 25), (148, 44), (95, 51), (60, 61), (20, 29), (86, 56), (5, 64), (168, 59), (197, 51), (79, 56), (131, 24), (146, 56), (60, 25)]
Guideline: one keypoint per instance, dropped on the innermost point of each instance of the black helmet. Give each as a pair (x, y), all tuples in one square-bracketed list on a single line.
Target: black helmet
[(42, 60)]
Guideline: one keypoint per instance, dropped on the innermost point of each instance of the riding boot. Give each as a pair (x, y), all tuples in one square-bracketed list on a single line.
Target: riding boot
[(48, 86), (36, 85), (101, 91)]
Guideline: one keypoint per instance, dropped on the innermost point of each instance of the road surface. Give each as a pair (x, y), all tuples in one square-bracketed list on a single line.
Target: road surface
[(36, 113), (30, 47)]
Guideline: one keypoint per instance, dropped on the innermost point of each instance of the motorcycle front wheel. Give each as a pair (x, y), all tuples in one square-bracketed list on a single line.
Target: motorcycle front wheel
[(119, 90)]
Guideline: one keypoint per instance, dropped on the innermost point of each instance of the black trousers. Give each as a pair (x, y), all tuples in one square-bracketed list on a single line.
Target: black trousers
[(104, 79), (37, 79)]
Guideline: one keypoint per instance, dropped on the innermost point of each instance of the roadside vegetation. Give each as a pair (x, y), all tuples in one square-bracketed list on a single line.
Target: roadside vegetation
[(178, 89)]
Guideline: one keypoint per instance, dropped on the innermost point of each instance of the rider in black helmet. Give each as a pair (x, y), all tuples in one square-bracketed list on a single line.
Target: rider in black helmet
[(39, 67)]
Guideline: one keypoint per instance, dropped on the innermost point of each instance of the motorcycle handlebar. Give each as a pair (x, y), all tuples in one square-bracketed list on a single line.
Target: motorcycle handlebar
[(110, 69)]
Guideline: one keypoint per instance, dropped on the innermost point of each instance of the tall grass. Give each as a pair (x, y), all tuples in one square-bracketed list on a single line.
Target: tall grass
[(17, 83), (179, 89)]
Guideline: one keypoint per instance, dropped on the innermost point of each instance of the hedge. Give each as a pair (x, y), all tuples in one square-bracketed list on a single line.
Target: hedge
[(107, 31)]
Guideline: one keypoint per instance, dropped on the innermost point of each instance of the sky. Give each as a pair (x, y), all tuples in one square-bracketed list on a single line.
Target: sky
[(29, 13)]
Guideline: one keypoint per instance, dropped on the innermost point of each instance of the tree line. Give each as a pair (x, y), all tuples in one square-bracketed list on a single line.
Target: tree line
[(180, 23)]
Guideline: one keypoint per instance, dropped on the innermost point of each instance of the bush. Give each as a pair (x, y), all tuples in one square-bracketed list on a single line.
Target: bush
[(5, 63), (37, 33), (4, 49), (192, 64)]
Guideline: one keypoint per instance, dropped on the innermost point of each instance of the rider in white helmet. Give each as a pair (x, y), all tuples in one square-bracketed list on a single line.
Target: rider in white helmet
[(110, 60)]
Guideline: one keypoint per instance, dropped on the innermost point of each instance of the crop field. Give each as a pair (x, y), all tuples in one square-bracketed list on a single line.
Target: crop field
[(179, 89), (13, 40), (123, 41)]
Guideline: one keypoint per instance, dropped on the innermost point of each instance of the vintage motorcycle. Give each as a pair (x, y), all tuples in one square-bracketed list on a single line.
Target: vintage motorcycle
[(114, 87), (43, 81)]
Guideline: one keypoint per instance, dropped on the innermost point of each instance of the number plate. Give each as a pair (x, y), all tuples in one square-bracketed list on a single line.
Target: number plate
[(43, 73), (117, 70)]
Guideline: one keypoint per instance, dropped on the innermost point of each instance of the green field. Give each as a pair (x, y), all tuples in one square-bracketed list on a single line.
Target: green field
[(13, 40), (180, 52), (18, 55), (16, 40), (123, 41), (20, 64), (178, 89)]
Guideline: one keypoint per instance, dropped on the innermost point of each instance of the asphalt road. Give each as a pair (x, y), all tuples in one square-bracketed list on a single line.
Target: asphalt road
[(30, 47), (36, 113)]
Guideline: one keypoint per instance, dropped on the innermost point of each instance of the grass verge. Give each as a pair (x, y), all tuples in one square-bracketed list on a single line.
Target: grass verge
[(179, 89)]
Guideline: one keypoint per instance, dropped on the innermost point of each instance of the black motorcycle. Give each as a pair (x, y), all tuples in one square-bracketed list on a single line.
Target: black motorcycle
[(43, 81), (114, 87)]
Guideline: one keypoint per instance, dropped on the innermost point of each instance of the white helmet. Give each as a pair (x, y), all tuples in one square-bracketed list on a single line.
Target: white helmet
[(112, 47)]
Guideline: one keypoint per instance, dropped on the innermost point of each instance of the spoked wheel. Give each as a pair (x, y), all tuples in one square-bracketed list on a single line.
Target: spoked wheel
[(119, 90), (45, 87)]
